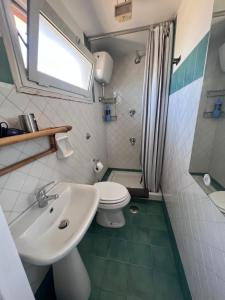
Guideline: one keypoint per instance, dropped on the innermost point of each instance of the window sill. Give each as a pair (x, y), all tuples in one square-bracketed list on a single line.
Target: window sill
[(35, 89)]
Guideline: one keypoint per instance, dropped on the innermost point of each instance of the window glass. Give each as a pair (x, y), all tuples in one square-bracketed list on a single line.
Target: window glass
[(59, 58)]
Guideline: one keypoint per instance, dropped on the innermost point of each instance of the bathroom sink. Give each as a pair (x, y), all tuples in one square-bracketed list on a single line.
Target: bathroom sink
[(44, 236)]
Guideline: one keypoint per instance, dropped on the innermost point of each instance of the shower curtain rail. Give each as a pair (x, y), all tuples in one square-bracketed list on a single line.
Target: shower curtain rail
[(220, 13), (126, 31)]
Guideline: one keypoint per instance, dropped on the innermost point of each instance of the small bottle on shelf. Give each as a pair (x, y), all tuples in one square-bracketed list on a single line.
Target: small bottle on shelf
[(107, 114)]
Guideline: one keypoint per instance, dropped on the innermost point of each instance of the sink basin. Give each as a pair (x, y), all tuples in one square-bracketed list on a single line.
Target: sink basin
[(50, 235), (39, 239)]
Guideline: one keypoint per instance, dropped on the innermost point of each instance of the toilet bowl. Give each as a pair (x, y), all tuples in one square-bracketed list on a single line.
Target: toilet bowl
[(113, 197)]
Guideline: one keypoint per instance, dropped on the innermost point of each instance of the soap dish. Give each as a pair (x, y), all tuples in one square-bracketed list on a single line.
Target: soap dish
[(64, 148)]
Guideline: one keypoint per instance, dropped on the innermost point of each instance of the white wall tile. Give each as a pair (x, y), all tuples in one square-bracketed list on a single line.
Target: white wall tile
[(198, 226), (17, 189), (127, 82)]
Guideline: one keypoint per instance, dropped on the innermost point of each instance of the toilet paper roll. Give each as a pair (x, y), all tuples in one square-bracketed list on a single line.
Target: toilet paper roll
[(98, 167)]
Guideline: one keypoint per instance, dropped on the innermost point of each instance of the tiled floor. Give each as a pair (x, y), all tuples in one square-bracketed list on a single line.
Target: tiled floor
[(135, 262)]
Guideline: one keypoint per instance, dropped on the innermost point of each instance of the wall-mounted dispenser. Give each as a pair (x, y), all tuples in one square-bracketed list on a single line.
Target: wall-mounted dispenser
[(217, 111)]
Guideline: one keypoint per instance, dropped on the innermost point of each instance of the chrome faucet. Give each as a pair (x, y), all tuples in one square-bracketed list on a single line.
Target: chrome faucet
[(42, 196)]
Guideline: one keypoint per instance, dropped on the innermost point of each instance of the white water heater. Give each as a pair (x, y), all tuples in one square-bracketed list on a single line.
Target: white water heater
[(103, 67)]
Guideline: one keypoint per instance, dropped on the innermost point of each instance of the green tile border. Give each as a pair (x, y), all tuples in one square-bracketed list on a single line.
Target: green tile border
[(5, 73), (192, 67), (109, 170), (179, 265)]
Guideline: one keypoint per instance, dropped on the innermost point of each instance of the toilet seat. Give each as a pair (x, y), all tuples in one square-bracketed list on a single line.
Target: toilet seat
[(113, 198), (112, 193)]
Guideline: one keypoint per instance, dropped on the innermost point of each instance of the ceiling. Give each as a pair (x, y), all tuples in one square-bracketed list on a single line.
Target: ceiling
[(219, 5), (122, 45), (97, 16)]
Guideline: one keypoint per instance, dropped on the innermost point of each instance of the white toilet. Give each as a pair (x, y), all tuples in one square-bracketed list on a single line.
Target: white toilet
[(113, 197)]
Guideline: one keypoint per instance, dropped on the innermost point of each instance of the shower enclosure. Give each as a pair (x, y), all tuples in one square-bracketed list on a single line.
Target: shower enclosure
[(139, 85), (123, 135)]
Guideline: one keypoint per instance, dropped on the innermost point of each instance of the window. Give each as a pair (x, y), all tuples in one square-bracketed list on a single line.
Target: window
[(48, 54), (20, 18), (74, 68)]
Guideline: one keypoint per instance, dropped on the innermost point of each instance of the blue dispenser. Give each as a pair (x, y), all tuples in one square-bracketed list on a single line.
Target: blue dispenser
[(216, 113), (108, 115)]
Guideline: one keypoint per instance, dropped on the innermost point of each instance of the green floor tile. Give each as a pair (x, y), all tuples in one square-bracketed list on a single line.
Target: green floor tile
[(134, 262), (140, 219), (157, 222), (95, 245), (100, 230), (164, 260), (119, 250), (95, 268), (168, 287), (127, 215), (141, 255), (155, 209), (140, 283), (115, 277), (124, 233), (95, 293), (111, 296), (159, 237), (141, 234), (141, 206)]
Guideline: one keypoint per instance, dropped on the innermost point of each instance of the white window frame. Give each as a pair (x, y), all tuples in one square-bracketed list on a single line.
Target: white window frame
[(19, 73)]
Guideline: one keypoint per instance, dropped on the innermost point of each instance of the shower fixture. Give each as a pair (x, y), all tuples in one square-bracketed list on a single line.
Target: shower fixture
[(88, 136), (132, 112), (132, 140), (138, 57)]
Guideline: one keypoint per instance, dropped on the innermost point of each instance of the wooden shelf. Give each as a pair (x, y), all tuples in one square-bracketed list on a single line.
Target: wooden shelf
[(33, 135), (49, 132)]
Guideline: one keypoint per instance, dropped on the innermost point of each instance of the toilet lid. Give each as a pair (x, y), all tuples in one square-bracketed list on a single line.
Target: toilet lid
[(111, 192)]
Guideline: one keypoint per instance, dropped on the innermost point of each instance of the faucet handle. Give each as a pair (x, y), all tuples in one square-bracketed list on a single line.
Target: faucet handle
[(42, 189)]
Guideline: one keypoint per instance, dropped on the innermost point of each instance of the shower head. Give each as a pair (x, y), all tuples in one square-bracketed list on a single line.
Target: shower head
[(137, 60), (138, 57)]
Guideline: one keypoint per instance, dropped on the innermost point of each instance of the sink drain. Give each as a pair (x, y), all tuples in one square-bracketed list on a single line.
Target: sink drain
[(134, 209), (63, 224)]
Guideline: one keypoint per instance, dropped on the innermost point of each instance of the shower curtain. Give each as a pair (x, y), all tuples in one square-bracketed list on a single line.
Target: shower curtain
[(155, 102)]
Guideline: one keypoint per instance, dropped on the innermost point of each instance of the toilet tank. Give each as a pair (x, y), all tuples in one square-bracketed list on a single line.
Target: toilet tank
[(103, 67)]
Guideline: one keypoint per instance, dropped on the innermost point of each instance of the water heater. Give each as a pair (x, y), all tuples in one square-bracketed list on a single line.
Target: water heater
[(103, 67)]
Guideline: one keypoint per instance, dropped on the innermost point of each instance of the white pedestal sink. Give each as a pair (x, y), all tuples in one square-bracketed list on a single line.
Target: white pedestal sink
[(49, 235)]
